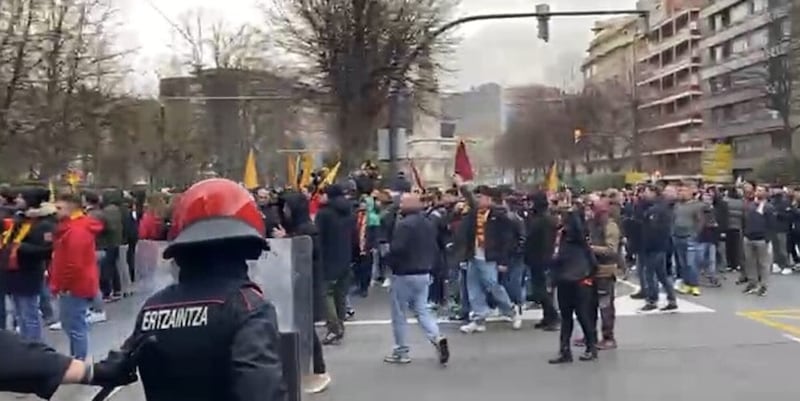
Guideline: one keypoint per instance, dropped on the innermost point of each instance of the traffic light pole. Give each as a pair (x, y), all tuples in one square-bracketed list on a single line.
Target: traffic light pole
[(542, 14)]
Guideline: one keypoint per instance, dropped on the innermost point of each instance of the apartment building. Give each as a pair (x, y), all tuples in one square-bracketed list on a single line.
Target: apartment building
[(609, 66), (741, 37), (669, 92)]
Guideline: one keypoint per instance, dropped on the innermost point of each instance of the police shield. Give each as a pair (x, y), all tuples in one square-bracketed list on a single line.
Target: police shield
[(284, 274)]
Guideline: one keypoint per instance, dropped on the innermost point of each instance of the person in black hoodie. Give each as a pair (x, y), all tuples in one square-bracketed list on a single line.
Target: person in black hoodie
[(538, 254), (296, 221), (336, 225), (574, 271), (26, 248)]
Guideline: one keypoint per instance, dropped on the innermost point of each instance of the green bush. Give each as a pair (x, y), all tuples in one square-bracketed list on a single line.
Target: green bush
[(597, 182)]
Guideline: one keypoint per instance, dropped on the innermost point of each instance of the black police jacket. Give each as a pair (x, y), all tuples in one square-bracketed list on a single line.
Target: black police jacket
[(216, 339)]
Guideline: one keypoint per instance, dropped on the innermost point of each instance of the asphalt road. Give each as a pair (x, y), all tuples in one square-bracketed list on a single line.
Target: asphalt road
[(723, 346)]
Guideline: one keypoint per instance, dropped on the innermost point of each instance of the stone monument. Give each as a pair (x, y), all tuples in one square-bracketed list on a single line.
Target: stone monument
[(431, 154)]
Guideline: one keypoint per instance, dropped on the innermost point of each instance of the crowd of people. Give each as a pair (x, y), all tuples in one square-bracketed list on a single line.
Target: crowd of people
[(469, 252), (500, 251)]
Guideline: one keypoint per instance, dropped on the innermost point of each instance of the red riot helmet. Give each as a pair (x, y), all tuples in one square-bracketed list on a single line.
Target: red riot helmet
[(216, 210)]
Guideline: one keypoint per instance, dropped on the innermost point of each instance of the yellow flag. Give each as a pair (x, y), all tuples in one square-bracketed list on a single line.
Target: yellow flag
[(291, 171), (52, 188), (306, 164), (250, 179), (331, 176), (552, 178)]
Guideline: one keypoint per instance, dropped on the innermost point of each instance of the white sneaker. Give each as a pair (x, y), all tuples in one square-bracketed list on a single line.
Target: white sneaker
[(97, 317), (677, 284), (55, 326), (516, 320), (314, 384), (776, 269), (387, 282), (787, 271), (473, 327)]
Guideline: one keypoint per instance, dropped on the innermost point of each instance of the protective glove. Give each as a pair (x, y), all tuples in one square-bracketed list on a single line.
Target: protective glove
[(118, 369)]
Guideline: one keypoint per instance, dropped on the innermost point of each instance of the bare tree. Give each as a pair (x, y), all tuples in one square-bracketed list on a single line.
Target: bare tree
[(206, 41), (356, 48)]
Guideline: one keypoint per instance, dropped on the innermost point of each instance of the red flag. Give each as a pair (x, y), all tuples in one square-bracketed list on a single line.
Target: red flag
[(463, 167), (417, 178)]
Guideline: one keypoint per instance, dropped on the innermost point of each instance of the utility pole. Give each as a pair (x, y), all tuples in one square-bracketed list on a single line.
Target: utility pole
[(542, 14)]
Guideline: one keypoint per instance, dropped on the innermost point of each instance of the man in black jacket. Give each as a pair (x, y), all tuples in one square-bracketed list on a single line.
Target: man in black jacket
[(413, 257), (656, 232), (336, 225), (486, 241), (538, 252)]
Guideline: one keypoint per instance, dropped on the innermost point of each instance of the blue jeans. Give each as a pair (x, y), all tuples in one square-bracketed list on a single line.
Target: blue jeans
[(26, 311), (685, 250), (46, 304), (482, 279), (513, 282), (411, 292), (97, 301), (705, 257), (73, 313), (640, 272), (655, 266)]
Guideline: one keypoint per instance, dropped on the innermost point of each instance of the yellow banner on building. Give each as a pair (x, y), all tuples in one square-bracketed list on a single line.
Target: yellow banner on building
[(636, 177), (717, 164)]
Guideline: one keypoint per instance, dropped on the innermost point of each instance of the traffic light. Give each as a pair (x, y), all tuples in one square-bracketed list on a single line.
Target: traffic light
[(576, 135), (544, 22)]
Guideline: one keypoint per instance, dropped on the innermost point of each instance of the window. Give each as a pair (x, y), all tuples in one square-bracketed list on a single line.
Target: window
[(739, 12), (759, 38), (759, 5), (740, 44)]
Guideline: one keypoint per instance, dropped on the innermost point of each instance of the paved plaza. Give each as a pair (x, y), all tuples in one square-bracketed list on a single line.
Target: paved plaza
[(722, 346)]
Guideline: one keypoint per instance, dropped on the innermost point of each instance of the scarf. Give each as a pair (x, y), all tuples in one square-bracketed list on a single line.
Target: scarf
[(22, 232), (480, 228), (362, 231)]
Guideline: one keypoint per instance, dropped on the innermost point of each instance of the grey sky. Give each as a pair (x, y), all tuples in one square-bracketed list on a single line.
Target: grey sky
[(506, 52)]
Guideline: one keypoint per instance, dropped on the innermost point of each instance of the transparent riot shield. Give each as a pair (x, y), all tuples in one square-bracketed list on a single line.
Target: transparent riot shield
[(284, 273)]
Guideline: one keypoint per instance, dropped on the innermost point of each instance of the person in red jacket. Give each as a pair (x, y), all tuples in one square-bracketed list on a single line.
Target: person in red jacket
[(73, 275), (151, 225)]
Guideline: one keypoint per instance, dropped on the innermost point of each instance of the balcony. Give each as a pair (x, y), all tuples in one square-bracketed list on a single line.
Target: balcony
[(742, 60), (730, 96), (716, 7), (687, 33), (649, 75), (651, 97), (739, 28), (745, 126), (683, 116)]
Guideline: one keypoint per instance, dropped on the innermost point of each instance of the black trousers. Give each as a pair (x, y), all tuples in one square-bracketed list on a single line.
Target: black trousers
[(318, 360), (792, 242), (580, 300), (109, 275), (130, 257), (540, 294), (733, 248)]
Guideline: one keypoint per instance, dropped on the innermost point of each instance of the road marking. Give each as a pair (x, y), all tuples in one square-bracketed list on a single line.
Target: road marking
[(114, 392), (625, 306), (792, 338), (768, 318)]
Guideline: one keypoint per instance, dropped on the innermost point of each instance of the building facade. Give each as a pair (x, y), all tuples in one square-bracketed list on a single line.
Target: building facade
[(478, 117), (610, 66), (670, 121), (742, 48)]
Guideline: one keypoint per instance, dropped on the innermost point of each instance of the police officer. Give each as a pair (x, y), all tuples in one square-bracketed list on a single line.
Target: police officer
[(216, 338)]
